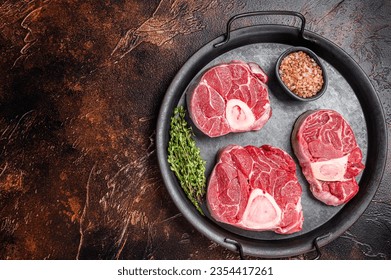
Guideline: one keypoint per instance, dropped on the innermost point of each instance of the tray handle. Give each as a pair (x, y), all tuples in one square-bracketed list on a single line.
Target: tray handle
[(318, 255), (260, 13), (317, 247), (237, 245)]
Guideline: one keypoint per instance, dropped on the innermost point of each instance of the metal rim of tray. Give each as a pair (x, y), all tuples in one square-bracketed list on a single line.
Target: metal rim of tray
[(361, 85)]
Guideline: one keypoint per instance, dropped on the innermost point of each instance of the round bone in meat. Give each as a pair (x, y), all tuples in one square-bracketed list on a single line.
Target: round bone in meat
[(239, 115)]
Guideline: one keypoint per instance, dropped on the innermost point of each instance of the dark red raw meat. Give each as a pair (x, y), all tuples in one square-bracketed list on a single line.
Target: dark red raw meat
[(256, 189), (328, 154), (230, 97)]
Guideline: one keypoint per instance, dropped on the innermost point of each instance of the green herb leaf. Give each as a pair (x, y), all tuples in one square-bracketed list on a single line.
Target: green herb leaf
[(185, 159)]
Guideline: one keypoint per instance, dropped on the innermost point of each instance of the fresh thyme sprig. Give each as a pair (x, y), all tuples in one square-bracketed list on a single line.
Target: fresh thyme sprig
[(185, 158)]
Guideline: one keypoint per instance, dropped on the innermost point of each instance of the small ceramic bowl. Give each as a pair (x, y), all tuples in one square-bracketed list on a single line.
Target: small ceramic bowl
[(317, 60)]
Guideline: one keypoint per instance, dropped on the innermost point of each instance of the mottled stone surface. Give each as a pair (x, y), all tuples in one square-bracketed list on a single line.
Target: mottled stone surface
[(81, 83)]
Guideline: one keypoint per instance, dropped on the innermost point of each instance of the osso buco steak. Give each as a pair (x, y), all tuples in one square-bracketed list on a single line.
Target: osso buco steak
[(328, 154), (230, 97), (256, 189)]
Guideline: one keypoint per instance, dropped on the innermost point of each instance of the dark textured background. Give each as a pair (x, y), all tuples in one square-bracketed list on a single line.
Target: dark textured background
[(81, 83)]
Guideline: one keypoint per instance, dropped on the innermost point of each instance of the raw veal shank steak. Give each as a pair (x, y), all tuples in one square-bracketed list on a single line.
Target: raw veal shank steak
[(328, 154), (256, 189), (230, 97)]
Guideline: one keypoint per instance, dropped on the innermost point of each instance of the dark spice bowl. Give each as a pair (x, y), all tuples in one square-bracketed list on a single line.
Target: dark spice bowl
[(316, 59)]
